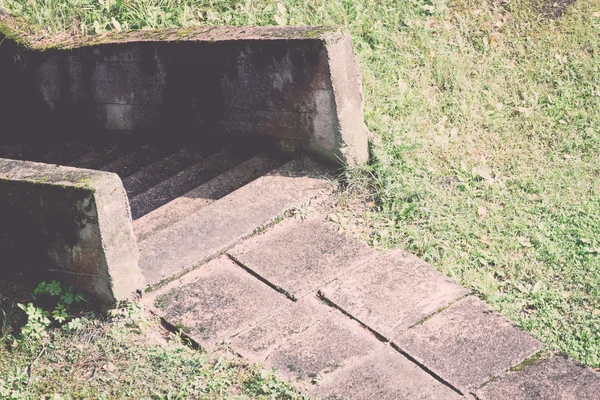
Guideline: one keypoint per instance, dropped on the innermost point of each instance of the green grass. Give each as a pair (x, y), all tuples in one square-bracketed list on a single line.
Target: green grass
[(486, 157), (129, 357)]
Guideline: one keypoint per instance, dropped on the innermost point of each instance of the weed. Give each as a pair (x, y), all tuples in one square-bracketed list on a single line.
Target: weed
[(128, 356)]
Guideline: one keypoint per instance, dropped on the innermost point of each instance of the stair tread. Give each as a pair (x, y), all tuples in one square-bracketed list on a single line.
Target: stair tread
[(12, 152), (181, 183), (131, 163), (96, 159), (220, 225), (66, 153), (204, 195), (158, 171)]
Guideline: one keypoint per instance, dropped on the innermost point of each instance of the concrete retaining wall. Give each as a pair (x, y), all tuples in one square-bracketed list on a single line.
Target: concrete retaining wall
[(295, 88), (69, 224)]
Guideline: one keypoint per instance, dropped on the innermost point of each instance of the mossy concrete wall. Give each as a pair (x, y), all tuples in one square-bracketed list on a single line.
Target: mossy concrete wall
[(69, 224), (295, 88)]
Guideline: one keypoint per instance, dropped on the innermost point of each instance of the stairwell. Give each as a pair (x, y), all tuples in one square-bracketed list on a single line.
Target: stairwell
[(227, 250)]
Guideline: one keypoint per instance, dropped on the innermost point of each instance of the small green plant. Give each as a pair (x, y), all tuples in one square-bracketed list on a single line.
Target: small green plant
[(51, 296)]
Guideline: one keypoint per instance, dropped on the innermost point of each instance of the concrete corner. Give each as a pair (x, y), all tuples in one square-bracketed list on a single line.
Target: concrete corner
[(69, 224), (351, 143)]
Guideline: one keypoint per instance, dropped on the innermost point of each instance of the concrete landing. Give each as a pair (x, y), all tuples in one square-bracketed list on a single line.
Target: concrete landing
[(344, 321)]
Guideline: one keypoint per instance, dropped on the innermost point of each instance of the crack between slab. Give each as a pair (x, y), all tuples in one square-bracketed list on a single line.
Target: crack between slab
[(438, 311), (384, 340), (427, 370), (187, 338), (475, 396), (321, 296), (515, 369), (262, 279)]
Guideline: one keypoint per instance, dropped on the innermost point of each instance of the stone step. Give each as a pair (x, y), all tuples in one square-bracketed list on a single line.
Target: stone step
[(66, 153), (158, 171), (14, 152), (136, 160), (28, 149), (102, 156), (203, 195), (181, 183), (222, 224)]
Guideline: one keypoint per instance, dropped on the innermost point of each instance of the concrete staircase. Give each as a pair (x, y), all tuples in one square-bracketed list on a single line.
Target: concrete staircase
[(224, 262)]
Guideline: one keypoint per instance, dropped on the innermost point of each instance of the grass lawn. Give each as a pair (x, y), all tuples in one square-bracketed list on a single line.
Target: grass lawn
[(130, 356), (486, 136)]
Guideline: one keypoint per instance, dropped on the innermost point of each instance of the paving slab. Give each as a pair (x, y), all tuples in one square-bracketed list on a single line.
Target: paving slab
[(384, 375), (391, 292), (300, 256), (259, 341), (557, 378), (221, 225), (467, 344), (216, 301), (327, 345)]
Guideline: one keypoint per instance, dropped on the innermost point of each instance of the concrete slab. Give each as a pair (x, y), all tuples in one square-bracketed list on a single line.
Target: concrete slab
[(467, 344), (392, 292), (299, 256), (324, 347), (258, 342), (557, 378), (216, 302), (384, 375), (221, 225)]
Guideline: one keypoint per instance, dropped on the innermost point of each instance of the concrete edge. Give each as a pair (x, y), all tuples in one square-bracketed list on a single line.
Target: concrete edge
[(102, 257)]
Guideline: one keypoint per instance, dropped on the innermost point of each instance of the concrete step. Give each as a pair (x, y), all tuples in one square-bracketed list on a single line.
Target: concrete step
[(203, 195), (14, 152), (181, 183), (158, 171), (66, 153), (101, 156), (175, 250), (136, 160)]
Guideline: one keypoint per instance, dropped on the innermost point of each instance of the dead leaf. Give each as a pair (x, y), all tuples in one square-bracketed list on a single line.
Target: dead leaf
[(492, 40), (485, 240)]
